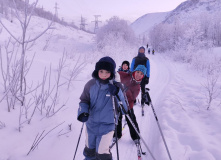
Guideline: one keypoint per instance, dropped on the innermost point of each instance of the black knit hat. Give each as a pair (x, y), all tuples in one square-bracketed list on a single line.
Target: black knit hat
[(141, 48), (106, 63), (127, 63)]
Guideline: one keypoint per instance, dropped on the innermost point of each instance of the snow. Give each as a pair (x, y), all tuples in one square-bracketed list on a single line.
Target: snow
[(191, 131), (144, 24)]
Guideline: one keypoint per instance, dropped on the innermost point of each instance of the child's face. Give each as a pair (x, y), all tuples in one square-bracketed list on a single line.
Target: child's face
[(125, 67), (104, 74), (138, 75)]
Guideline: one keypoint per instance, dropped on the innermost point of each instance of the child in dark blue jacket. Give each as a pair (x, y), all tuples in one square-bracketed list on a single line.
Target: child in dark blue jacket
[(125, 67), (96, 109)]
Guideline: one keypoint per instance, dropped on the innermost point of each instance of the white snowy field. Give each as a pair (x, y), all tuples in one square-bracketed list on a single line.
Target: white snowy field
[(191, 131), (144, 24)]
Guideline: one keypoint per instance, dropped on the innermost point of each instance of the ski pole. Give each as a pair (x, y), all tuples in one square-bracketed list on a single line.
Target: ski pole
[(115, 119), (122, 108), (78, 141), (160, 130), (155, 115)]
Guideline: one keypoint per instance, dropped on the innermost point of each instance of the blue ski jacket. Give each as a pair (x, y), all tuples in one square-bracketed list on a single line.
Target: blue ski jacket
[(96, 101), (143, 60)]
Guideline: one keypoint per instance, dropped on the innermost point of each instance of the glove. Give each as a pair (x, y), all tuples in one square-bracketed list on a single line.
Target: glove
[(113, 89), (129, 112), (83, 117), (146, 98)]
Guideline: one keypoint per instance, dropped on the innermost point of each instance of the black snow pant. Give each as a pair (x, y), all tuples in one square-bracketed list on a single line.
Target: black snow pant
[(119, 126), (143, 83), (133, 133)]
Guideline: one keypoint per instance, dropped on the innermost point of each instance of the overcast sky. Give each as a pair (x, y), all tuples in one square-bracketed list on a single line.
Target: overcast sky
[(126, 9)]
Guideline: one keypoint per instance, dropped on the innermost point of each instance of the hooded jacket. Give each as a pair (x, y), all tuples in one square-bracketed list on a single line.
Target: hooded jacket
[(97, 102), (131, 87)]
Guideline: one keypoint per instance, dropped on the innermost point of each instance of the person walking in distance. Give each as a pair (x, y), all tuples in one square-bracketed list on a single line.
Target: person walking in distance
[(153, 51)]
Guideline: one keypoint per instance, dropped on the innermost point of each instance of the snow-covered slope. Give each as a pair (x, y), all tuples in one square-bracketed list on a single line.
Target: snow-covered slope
[(192, 8), (67, 37), (185, 12), (143, 24)]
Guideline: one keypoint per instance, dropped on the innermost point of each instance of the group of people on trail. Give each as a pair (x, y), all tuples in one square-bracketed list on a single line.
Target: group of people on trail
[(105, 99), (153, 51)]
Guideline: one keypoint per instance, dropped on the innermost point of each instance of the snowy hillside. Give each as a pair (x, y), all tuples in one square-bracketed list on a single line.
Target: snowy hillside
[(145, 23), (184, 13), (193, 8)]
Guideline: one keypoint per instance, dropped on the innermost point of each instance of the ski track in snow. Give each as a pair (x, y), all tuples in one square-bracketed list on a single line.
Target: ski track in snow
[(190, 131)]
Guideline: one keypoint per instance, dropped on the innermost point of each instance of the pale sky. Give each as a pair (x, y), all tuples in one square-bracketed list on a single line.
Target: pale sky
[(126, 9)]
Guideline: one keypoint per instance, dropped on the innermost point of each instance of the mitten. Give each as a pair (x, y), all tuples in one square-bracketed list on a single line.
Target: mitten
[(83, 117), (113, 89), (146, 98)]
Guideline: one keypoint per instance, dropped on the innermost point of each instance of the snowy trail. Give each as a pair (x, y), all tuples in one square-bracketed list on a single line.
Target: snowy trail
[(160, 78)]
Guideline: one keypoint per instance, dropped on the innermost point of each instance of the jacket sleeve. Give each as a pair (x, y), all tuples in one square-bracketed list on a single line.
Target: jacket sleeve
[(130, 99), (123, 100), (136, 92), (132, 95), (121, 97), (84, 104), (148, 68), (132, 65)]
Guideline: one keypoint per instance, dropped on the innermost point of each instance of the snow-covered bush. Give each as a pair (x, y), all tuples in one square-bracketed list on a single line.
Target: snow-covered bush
[(201, 31), (115, 33), (26, 41), (116, 39), (208, 64)]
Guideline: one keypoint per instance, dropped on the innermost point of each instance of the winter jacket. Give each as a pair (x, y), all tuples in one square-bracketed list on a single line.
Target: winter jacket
[(96, 101), (131, 86), (143, 60)]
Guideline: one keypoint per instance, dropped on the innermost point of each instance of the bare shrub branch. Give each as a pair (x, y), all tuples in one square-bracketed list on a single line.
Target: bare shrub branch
[(39, 138), (212, 91), (76, 70), (2, 125)]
